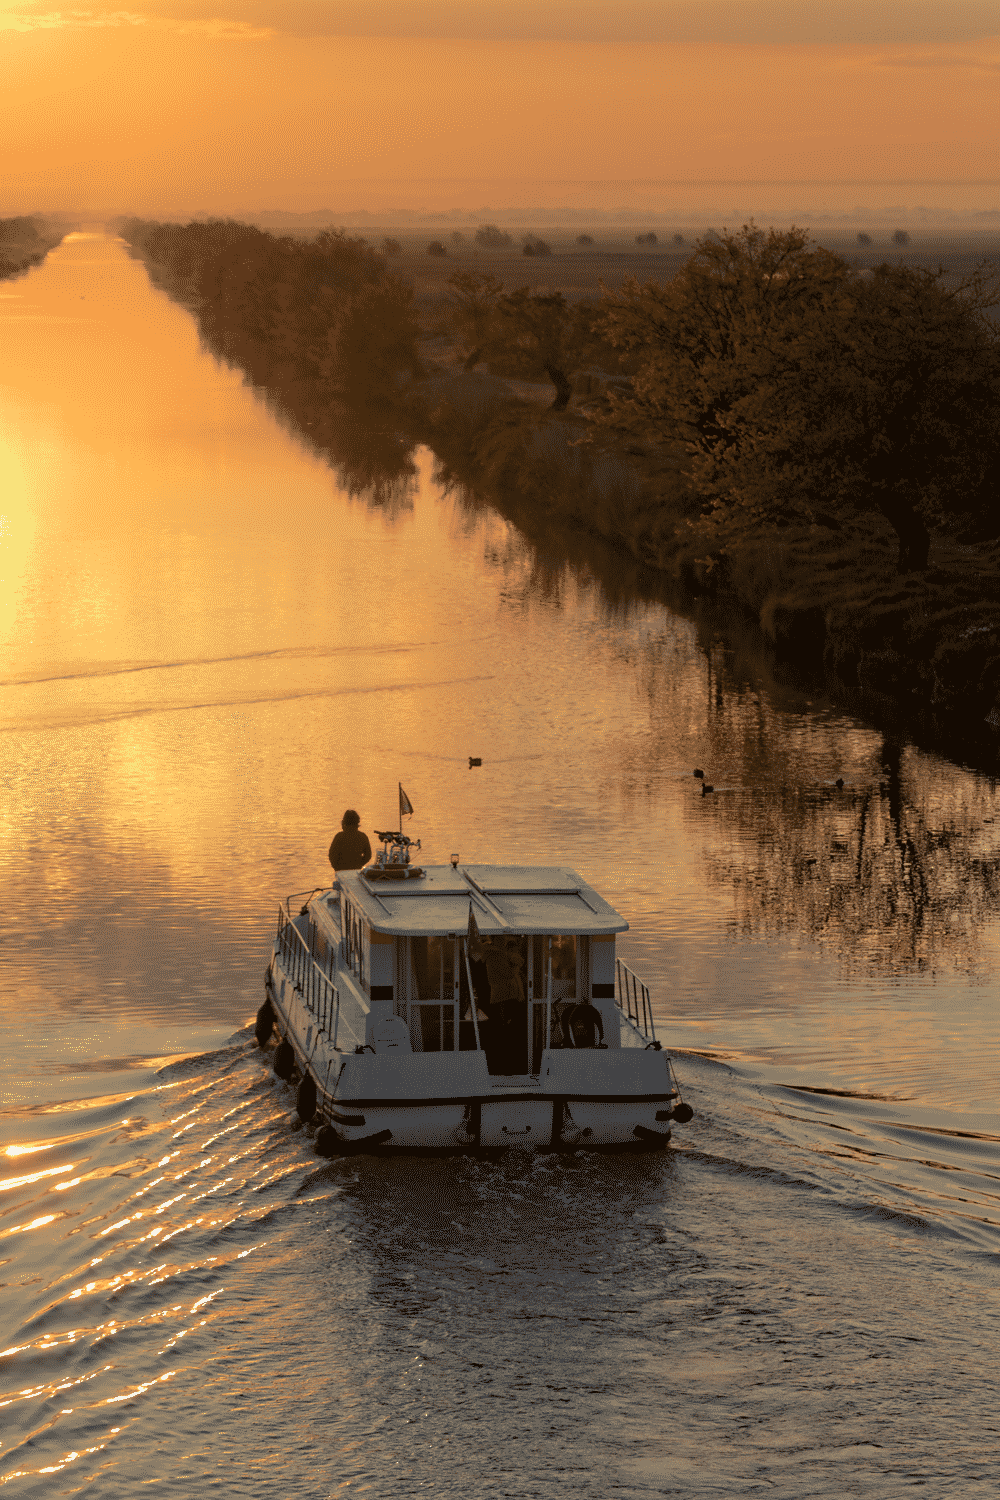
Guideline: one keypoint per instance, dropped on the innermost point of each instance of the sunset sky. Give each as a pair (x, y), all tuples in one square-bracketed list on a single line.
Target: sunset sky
[(236, 105)]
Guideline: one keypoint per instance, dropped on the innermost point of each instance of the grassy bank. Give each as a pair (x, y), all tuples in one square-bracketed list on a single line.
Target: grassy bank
[(923, 646)]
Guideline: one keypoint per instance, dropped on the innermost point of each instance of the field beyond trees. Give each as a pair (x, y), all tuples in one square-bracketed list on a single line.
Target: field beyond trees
[(810, 434)]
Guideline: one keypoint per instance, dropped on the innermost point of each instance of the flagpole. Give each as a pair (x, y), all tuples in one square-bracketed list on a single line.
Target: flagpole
[(400, 786)]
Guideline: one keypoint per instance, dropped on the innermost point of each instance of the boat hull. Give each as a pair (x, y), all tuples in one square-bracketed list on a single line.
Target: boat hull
[(496, 1124), (447, 1101)]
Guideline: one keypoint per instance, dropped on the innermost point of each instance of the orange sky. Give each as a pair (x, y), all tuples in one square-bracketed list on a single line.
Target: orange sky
[(247, 104)]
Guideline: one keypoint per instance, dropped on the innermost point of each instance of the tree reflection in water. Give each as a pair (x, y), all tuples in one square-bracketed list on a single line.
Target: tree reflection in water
[(370, 457), (900, 873), (898, 870)]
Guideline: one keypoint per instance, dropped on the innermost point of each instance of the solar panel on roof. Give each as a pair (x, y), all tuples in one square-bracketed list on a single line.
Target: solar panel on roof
[(525, 880)]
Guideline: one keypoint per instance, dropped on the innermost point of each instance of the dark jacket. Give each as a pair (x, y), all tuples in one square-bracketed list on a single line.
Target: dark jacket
[(350, 850)]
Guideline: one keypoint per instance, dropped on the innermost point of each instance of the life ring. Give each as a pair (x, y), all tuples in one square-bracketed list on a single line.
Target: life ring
[(284, 1060), (305, 1099), (264, 1024)]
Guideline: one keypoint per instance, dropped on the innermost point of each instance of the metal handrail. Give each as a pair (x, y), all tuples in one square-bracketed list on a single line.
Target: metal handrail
[(320, 995), (633, 998), (473, 1002)]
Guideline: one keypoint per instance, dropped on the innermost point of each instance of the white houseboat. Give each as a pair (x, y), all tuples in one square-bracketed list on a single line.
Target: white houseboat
[(464, 1006)]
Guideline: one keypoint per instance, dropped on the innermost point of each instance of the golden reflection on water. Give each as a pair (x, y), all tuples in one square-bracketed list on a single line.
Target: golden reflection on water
[(209, 650)]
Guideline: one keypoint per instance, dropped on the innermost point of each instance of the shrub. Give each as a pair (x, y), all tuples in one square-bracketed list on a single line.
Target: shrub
[(864, 239), (900, 237), (678, 239), (391, 247), (436, 248), (534, 246), (584, 239), (646, 239), (458, 238), (491, 237)]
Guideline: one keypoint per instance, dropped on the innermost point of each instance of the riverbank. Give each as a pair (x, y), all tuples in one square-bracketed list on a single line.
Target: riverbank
[(832, 603), (25, 242), (922, 645), (835, 607)]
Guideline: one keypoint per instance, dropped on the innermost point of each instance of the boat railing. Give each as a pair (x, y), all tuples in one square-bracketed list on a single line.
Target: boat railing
[(633, 999), (299, 960)]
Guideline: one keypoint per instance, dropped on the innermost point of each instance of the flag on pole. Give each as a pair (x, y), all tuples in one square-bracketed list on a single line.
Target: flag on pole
[(405, 805)]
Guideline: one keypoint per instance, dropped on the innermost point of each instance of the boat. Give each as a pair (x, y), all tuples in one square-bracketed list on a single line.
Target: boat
[(464, 1007)]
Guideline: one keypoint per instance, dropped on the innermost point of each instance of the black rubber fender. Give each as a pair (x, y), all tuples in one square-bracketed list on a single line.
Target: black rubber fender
[(328, 1142), (305, 1099), (265, 1024), (682, 1113), (284, 1060), (380, 1138)]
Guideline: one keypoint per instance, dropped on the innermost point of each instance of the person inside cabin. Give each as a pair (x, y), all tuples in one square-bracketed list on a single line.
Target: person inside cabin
[(350, 849), (506, 1046)]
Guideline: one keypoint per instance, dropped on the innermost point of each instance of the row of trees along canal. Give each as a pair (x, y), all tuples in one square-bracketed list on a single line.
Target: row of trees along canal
[(771, 425), (25, 242)]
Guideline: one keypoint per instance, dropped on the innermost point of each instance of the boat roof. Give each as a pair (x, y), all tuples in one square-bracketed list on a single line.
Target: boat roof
[(504, 898)]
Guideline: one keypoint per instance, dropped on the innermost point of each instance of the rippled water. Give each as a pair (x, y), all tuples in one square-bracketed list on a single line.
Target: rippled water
[(207, 651)]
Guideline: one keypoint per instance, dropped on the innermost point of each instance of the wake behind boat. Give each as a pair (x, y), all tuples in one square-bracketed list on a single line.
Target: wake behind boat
[(462, 1006)]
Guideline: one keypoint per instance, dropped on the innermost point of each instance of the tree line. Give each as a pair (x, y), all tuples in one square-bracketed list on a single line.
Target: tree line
[(24, 242), (801, 389), (780, 384), (325, 313), (787, 385)]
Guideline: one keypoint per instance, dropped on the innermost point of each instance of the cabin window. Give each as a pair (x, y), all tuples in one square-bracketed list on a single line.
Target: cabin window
[(564, 968), (562, 951), (436, 961), (353, 934), (554, 975)]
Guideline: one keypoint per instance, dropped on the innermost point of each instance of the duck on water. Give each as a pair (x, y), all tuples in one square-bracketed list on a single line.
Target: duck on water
[(461, 1006)]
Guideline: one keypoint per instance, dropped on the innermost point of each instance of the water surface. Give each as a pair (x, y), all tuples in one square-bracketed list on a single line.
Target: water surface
[(207, 651)]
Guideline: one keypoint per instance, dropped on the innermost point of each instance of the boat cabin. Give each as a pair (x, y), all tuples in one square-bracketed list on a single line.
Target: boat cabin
[(540, 941)]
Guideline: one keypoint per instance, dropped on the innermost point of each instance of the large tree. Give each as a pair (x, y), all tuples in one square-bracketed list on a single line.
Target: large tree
[(473, 300), (919, 381), (540, 333), (802, 389)]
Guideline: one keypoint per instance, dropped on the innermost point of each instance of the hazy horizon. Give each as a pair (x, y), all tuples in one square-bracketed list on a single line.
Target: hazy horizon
[(692, 108), (930, 205)]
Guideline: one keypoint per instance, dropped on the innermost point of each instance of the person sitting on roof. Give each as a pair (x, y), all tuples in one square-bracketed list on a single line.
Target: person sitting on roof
[(350, 849)]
